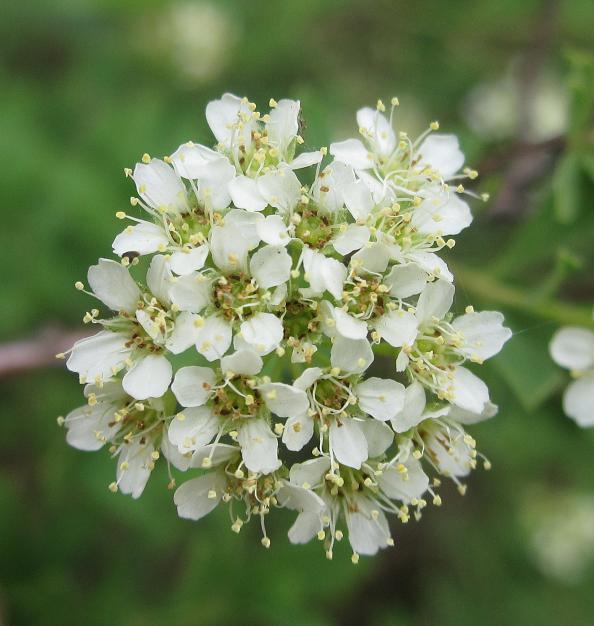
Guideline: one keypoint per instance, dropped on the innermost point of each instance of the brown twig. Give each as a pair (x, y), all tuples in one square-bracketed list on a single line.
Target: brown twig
[(37, 351)]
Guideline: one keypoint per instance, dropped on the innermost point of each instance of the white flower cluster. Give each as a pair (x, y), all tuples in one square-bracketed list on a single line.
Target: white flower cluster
[(572, 347), (255, 300)]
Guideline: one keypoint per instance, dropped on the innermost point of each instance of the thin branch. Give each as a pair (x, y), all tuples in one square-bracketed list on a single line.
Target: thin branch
[(36, 351)]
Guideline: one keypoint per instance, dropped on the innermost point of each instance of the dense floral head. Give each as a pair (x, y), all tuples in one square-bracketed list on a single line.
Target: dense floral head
[(254, 287)]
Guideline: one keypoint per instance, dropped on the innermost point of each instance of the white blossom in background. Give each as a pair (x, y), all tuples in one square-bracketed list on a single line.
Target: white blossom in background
[(255, 285), (572, 347)]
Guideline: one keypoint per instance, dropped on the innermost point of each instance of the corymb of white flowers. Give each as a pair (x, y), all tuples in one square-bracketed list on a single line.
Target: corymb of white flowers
[(246, 307)]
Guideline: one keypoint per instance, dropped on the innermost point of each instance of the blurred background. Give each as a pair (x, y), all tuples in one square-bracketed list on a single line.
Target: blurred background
[(86, 87)]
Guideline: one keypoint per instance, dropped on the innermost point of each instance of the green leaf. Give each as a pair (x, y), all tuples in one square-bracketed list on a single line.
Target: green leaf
[(566, 188), (581, 88), (526, 366)]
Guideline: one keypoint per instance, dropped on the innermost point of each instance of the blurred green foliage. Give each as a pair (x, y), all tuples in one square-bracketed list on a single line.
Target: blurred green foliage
[(87, 87)]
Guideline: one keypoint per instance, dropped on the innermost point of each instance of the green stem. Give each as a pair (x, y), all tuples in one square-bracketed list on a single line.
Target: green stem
[(485, 287)]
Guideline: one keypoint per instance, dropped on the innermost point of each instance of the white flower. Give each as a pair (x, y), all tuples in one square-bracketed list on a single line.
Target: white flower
[(199, 496), (573, 348), (380, 398), (249, 258), (441, 153), (323, 273), (368, 526), (160, 187)]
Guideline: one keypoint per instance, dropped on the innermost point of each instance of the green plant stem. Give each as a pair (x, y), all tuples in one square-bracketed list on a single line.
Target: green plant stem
[(491, 290)]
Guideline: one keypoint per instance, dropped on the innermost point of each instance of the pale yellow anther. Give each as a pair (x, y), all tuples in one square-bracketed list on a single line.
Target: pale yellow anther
[(434, 125), (80, 286), (146, 158)]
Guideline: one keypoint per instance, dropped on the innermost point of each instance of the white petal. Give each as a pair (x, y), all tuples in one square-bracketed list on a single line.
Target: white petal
[(469, 391), (411, 413), (245, 194), (218, 453), (310, 472), (578, 400), (483, 334), (138, 460), (298, 431), (380, 192), (193, 498), (185, 262), (398, 328), (160, 187), (351, 355), (352, 152), (259, 446), (305, 528), (358, 199), (450, 453), (185, 333), (284, 400), (89, 427), (442, 213), (271, 266), (191, 292), (190, 159), (377, 130), (149, 377), (374, 257), (306, 159), (100, 355), (214, 338), (281, 188), (353, 238), (329, 188), (247, 223), (442, 153), (112, 284), (406, 280), (468, 417), (229, 248), (264, 332), (273, 230), (323, 273), (279, 295), (214, 182), (180, 461), (381, 398), (143, 238), (159, 278), (349, 326), (348, 442), (242, 362), (284, 124), (222, 117), (404, 486), (299, 499), (198, 427), (151, 328), (308, 378), (435, 301), (379, 436), (431, 263), (193, 385), (572, 347), (367, 533)]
